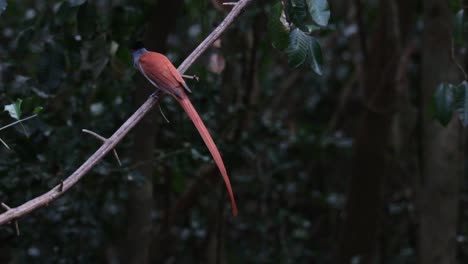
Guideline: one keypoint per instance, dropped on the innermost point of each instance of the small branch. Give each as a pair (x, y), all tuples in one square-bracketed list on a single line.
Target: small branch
[(5, 144), (230, 3), (16, 122), (103, 139), (12, 124), (454, 59), (56, 192)]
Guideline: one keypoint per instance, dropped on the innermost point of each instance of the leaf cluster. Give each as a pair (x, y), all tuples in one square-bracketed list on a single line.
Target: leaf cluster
[(292, 26)]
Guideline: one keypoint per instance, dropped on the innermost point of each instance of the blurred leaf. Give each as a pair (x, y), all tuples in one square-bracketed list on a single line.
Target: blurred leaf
[(217, 63), (317, 57), (461, 102), (319, 11), (460, 27), (298, 12), (51, 66), (23, 40), (14, 109), (178, 180), (3, 6), (444, 103), (276, 29), (311, 28), (304, 49), (38, 109), (124, 54)]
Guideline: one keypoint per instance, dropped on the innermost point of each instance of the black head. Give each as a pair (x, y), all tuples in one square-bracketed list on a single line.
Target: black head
[(137, 45)]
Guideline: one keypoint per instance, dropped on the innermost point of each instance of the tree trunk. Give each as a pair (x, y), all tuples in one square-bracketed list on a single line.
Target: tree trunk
[(359, 238), (442, 156), (140, 190)]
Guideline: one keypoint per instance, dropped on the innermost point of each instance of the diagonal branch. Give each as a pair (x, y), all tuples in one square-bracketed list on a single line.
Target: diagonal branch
[(57, 191)]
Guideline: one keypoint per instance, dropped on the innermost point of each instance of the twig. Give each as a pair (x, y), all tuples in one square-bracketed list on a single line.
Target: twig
[(162, 113), (454, 60), (19, 121), (230, 3), (103, 139), (12, 124), (55, 193), (4, 144)]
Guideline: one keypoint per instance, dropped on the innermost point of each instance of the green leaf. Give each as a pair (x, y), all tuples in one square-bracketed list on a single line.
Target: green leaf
[(460, 27), (461, 102), (14, 109), (319, 11), (3, 6), (38, 109), (304, 49), (317, 57), (444, 103), (277, 32)]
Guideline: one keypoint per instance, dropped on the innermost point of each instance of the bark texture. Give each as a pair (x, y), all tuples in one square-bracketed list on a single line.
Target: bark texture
[(442, 156), (359, 238)]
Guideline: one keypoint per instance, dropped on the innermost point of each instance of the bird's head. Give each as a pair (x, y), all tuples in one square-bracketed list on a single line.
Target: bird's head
[(138, 49)]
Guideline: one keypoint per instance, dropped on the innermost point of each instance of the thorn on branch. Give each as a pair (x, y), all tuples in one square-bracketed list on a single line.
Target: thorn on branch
[(61, 186), (103, 139), (8, 208), (192, 77)]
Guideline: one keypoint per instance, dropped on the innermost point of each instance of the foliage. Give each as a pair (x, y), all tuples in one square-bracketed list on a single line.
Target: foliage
[(449, 98), (286, 135), (301, 18), (14, 109)]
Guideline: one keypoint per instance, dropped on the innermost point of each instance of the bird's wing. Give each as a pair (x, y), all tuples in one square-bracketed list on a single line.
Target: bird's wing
[(175, 73), (154, 66)]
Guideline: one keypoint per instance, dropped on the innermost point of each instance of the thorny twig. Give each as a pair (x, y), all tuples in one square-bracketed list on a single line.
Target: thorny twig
[(8, 208), (103, 139), (12, 124), (57, 191)]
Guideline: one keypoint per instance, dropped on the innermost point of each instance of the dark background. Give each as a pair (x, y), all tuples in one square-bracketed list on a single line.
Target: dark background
[(346, 167)]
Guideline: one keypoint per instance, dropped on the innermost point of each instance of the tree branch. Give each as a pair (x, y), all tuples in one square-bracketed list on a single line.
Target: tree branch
[(57, 191), (103, 139)]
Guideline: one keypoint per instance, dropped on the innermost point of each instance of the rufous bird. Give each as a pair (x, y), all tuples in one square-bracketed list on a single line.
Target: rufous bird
[(161, 73)]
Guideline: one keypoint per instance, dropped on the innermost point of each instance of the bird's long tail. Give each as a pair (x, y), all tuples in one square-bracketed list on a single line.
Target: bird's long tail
[(193, 114)]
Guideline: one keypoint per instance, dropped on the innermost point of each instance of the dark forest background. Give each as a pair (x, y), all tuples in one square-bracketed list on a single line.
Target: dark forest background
[(339, 160)]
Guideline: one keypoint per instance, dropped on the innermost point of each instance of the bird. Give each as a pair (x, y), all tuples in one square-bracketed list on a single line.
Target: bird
[(162, 74)]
